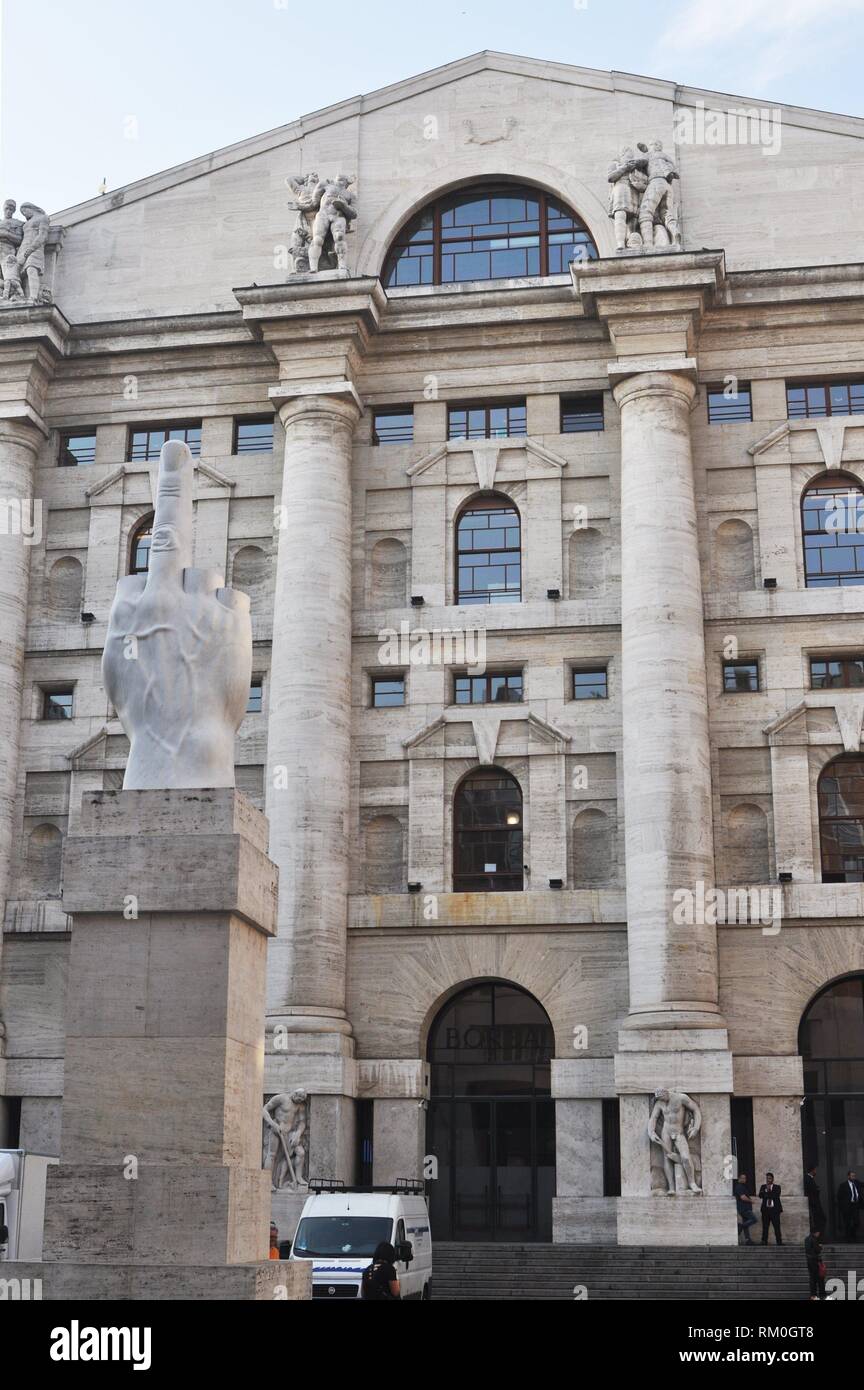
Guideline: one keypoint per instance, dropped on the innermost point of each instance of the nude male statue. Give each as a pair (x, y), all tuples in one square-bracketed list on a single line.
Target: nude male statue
[(672, 1108), (336, 208), (284, 1139)]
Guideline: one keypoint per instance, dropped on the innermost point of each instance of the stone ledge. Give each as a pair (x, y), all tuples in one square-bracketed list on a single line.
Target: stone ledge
[(270, 1280)]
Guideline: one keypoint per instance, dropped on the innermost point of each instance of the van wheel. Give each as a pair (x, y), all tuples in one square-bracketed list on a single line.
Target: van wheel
[(427, 1291)]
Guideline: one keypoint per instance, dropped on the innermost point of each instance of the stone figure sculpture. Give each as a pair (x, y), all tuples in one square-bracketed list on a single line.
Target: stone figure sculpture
[(672, 1108), (178, 655), (22, 255), (325, 210), (11, 233), (644, 200), (284, 1148)]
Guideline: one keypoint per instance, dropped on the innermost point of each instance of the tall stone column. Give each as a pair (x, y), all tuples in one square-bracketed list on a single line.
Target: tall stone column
[(667, 761), (309, 736), (317, 327), (31, 340)]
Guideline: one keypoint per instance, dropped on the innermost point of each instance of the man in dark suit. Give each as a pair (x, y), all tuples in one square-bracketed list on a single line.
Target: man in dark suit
[(849, 1205), (814, 1201), (771, 1206)]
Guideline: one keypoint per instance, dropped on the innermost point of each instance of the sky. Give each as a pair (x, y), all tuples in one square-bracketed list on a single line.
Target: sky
[(113, 90)]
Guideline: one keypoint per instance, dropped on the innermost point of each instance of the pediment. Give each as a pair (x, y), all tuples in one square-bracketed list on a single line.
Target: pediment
[(823, 441), (486, 729), (848, 706), (523, 458)]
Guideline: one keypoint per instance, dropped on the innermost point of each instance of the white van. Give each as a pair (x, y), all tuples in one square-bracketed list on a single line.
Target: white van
[(340, 1227)]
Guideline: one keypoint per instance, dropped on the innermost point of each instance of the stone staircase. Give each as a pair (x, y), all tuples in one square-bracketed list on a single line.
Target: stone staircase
[(494, 1272)]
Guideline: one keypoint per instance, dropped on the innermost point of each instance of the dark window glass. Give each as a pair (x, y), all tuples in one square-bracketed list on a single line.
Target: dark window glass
[(740, 676), (590, 685), (580, 413), (496, 687), (832, 673), (611, 1116), (841, 820), (57, 704), (253, 436), (139, 551), (497, 421), (487, 820), (832, 521), (145, 441), (393, 426), (77, 447), (388, 691), (487, 233), (816, 400), (724, 404), (488, 553), (254, 704)]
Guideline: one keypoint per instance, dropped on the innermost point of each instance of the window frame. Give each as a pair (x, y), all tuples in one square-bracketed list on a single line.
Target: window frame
[(478, 503), (497, 673), (825, 385), (563, 402), (487, 406), (844, 660), (56, 688), (160, 427), (381, 412), (584, 670), (493, 188), (240, 420), (66, 434), (144, 523), (839, 484), (508, 878), (731, 418), (730, 664), (829, 876), (377, 678), (256, 681)]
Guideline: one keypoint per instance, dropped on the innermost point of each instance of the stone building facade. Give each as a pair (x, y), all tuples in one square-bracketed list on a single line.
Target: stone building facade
[(666, 701)]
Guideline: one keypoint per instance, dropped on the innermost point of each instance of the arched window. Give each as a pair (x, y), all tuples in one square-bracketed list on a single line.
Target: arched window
[(841, 820), (488, 552), (489, 232), (487, 833), (831, 1043), (139, 550), (832, 520)]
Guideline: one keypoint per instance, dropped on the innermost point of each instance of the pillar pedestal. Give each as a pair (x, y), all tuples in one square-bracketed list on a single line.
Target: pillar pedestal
[(159, 1192)]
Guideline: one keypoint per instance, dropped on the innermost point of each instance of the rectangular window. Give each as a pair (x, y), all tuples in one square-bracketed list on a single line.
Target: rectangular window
[(254, 435), (590, 685), (145, 441), (478, 421), (725, 404), (393, 425), (496, 687), (255, 703), (836, 672), (77, 447), (740, 677), (815, 400), (580, 413), (57, 703), (387, 691)]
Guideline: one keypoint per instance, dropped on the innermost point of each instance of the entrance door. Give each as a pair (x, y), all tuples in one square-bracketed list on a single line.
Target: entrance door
[(832, 1046), (491, 1124)]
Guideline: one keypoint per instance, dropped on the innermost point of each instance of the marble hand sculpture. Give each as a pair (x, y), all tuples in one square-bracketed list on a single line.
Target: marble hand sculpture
[(178, 656)]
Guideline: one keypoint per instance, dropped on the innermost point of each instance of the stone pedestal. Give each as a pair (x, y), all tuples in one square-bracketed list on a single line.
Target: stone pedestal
[(160, 1188)]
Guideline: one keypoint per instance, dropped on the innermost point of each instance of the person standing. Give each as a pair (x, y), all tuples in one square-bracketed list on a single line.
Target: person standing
[(744, 1203), (849, 1205), (380, 1280), (772, 1207), (814, 1201), (815, 1266)]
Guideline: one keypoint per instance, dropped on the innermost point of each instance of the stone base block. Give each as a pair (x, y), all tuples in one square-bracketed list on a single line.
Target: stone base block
[(584, 1220), (662, 1220), (169, 1214), (285, 1209), (267, 1280)]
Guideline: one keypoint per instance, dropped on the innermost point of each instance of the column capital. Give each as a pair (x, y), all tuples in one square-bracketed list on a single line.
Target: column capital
[(317, 329), (336, 397), (653, 377), (32, 340), (652, 305)]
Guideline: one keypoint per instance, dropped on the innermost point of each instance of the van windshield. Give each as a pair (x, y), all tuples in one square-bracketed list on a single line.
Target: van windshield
[(341, 1235)]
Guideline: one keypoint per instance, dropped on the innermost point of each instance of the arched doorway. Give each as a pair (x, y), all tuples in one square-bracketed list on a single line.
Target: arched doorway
[(831, 1042), (491, 1122)]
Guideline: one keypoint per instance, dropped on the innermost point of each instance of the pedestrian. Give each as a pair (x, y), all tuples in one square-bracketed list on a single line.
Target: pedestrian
[(849, 1205), (380, 1280), (744, 1204), (274, 1241), (769, 1196), (815, 1266), (814, 1201)]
